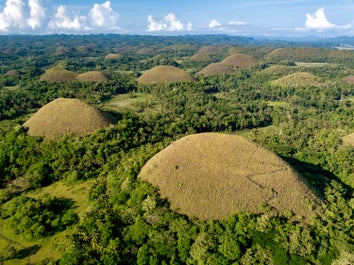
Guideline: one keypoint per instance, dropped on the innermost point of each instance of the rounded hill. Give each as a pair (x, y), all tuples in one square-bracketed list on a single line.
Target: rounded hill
[(299, 79), (58, 74), (349, 139), (165, 74), (349, 79), (92, 76), (113, 56), (239, 60), (216, 69), (212, 176), (62, 116)]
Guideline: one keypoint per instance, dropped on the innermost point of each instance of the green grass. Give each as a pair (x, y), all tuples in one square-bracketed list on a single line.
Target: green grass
[(53, 246), (136, 102), (277, 103)]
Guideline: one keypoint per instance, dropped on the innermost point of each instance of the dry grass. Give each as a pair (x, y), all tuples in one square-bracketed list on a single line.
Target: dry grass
[(113, 56), (211, 176), (165, 74), (349, 139), (58, 74), (62, 116), (349, 79), (217, 69), (146, 51), (211, 50), (92, 76), (201, 57), (240, 61), (300, 79), (13, 73)]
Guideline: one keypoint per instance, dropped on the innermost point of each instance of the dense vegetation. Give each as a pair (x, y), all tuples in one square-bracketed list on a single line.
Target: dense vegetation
[(127, 222)]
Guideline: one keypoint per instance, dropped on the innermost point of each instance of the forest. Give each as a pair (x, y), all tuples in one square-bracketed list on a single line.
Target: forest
[(78, 199)]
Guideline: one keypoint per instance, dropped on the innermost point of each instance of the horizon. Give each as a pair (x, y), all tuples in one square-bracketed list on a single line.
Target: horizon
[(280, 18)]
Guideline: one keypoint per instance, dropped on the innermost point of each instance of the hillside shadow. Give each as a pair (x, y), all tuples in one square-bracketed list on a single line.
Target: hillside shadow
[(26, 252), (316, 177)]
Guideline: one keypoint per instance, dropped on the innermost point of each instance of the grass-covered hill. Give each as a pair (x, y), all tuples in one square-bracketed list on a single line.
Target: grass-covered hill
[(113, 56), (349, 79), (212, 176), (229, 65), (298, 79), (239, 61), (313, 55), (216, 69), (92, 76), (165, 74), (58, 74), (62, 116)]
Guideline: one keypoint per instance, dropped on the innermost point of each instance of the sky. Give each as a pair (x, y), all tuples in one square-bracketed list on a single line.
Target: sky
[(287, 18)]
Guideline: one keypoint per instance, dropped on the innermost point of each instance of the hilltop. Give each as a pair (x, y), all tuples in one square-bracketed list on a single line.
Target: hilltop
[(165, 74), (211, 176), (63, 115)]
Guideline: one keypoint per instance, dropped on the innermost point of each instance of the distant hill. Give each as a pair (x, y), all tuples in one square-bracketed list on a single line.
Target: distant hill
[(63, 115), (165, 74), (211, 176), (349, 139), (92, 76), (58, 74), (229, 65), (113, 56), (349, 79), (217, 69), (240, 61)]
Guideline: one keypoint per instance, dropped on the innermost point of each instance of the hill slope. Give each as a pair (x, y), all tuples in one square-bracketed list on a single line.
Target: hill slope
[(62, 116), (58, 74), (165, 73), (211, 176), (92, 76)]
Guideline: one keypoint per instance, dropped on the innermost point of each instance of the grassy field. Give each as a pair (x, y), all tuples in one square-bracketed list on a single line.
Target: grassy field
[(31, 252), (137, 102), (211, 176)]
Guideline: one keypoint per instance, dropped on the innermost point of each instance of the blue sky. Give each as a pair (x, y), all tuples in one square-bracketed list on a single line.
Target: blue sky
[(288, 18)]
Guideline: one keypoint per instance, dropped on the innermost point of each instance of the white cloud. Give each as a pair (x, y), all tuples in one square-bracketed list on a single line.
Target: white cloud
[(37, 14), (30, 16), (214, 24), (12, 16), (237, 23), (168, 23), (318, 21), (103, 16), (65, 19)]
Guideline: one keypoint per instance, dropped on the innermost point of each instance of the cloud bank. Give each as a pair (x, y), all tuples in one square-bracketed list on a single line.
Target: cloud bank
[(30, 16), (319, 22), (168, 23), (231, 26)]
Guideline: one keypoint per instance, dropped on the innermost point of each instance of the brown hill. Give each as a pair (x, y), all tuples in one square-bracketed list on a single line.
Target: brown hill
[(239, 60), (165, 74), (113, 56), (349, 79), (201, 57), (349, 139), (211, 50), (211, 176), (58, 74), (217, 69), (146, 51), (63, 115), (299, 79), (92, 76), (13, 73)]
